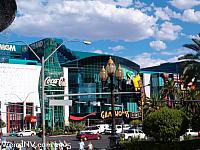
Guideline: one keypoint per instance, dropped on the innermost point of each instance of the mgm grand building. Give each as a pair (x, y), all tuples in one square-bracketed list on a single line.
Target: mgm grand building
[(84, 94)]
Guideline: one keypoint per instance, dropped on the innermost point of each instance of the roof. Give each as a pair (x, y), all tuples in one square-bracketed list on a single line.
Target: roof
[(166, 67), (170, 67), (21, 61), (85, 57), (82, 55)]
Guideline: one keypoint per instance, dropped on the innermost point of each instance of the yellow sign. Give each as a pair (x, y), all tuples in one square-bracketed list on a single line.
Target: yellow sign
[(118, 113)]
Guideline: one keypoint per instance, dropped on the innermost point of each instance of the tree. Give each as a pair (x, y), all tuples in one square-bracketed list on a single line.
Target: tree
[(191, 66), (135, 122), (170, 92), (152, 104), (195, 121), (165, 124)]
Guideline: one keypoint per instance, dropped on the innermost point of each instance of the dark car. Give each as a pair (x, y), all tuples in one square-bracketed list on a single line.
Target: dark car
[(88, 136), (39, 134), (13, 134)]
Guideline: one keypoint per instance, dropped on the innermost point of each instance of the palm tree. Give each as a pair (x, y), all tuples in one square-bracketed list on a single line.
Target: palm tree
[(170, 92), (152, 104), (191, 65)]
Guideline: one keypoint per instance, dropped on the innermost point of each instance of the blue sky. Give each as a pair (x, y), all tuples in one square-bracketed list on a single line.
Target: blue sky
[(148, 32)]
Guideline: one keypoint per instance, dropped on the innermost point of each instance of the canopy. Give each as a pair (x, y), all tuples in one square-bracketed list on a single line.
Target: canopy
[(71, 117)]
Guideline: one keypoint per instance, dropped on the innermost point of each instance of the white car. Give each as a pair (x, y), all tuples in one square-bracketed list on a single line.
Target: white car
[(132, 134), (102, 127), (119, 129), (26, 133), (190, 133), (93, 129)]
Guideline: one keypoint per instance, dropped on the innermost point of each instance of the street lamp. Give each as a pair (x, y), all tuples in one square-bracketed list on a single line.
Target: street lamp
[(43, 60), (111, 72)]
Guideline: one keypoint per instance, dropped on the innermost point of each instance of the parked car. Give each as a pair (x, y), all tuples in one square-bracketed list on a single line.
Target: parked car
[(102, 127), (139, 126), (191, 133), (88, 136), (26, 133), (133, 133), (39, 134), (93, 129), (13, 133), (119, 128)]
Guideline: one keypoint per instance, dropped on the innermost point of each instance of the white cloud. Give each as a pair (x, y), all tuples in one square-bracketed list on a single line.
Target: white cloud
[(166, 13), (190, 15), (161, 14), (168, 31), (82, 19), (185, 4), (124, 3), (98, 51), (151, 59), (146, 60), (117, 48), (157, 45), (178, 52)]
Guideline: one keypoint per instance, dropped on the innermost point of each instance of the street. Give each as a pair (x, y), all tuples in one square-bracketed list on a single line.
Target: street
[(98, 144)]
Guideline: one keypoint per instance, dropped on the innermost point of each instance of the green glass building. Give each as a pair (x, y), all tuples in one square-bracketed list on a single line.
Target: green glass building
[(83, 77)]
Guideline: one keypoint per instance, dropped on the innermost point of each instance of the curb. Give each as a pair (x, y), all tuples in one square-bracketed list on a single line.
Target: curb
[(62, 135)]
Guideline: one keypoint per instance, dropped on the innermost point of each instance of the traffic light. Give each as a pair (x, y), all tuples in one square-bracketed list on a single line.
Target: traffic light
[(138, 99), (36, 108), (73, 102), (124, 119), (88, 103)]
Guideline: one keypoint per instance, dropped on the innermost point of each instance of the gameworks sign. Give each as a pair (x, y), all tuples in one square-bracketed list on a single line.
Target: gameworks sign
[(119, 113)]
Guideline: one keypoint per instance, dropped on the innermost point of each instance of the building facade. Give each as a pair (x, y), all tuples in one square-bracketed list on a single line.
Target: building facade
[(66, 72)]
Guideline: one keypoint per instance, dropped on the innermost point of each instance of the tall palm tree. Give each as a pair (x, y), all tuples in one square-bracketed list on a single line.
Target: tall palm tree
[(170, 92), (152, 104), (191, 65)]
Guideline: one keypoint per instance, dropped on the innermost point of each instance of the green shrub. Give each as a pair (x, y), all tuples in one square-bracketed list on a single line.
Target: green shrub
[(74, 127), (151, 145), (165, 124)]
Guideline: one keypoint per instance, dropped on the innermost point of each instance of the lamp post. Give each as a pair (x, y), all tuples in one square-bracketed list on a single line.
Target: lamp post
[(43, 60), (111, 72)]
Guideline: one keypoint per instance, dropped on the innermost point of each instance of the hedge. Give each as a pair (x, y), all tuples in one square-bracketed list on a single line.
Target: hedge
[(151, 145)]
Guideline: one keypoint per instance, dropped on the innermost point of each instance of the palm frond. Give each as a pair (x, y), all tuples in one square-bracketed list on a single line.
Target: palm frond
[(197, 41), (193, 47), (189, 56)]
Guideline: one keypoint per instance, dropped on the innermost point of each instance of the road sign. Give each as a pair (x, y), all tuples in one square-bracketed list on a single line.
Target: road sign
[(60, 102)]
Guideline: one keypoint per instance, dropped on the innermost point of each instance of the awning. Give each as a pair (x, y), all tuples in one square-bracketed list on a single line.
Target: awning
[(81, 118), (30, 118)]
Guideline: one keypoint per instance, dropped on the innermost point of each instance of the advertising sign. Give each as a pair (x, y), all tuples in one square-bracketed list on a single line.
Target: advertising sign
[(54, 82), (7, 47), (119, 113)]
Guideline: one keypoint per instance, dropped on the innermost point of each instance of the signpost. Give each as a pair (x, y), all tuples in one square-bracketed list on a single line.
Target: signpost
[(60, 102)]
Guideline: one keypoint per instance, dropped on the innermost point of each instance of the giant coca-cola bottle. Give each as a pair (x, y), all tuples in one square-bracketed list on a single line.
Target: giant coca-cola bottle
[(54, 84)]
